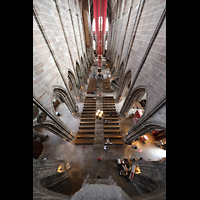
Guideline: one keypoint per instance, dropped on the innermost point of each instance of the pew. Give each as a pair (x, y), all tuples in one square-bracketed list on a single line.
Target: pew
[(87, 123), (86, 127), (111, 123), (86, 131), (92, 86), (106, 85), (83, 119), (113, 127)]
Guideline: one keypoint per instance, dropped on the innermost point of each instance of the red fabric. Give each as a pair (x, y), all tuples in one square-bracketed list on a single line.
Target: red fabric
[(99, 62), (100, 11), (137, 115), (104, 12)]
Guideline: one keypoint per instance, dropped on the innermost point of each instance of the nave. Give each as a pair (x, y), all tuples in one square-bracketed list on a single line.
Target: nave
[(93, 136)]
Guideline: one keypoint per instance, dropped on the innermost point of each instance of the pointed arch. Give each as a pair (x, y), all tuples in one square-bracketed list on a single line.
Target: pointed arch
[(128, 103), (66, 97), (72, 83), (78, 73), (119, 71), (53, 128), (145, 128), (117, 63), (127, 79)]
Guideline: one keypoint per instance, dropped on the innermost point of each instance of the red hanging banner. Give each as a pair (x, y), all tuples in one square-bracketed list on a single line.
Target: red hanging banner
[(100, 11)]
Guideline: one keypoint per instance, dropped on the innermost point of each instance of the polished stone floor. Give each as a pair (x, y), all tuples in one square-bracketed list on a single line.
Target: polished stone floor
[(83, 158)]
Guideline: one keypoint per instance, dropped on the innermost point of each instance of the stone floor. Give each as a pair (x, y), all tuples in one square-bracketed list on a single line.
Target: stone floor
[(83, 158)]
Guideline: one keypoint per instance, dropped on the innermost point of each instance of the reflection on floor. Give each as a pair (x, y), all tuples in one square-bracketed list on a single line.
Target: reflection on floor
[(83, 161)]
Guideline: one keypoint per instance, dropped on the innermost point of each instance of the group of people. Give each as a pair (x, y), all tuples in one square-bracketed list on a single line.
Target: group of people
[(99, 77)]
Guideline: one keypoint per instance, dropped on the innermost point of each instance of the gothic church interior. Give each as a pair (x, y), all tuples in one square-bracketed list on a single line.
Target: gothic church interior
[(99, 99)]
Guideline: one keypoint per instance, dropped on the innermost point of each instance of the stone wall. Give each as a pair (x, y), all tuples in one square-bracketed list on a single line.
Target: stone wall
[(144, 53), (58, 44)]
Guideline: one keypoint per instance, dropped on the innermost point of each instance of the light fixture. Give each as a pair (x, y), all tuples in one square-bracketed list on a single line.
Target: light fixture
[(99, 114)]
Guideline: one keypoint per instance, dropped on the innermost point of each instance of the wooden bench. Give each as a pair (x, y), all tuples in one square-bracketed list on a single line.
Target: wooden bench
[(88, 115), (108, 98), (111, 127), (86, 131), (85, 135), (111, 118), (86, 127), (90, 97), (89, 107), (108, 104), (87, 123), (83, 119), (107, 131), (111, 123), (92, 112), (90, 100), (89, 104), (105, 115), (106, 85), (112, 136), (108, 101), (109, 110), (92, 86)]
